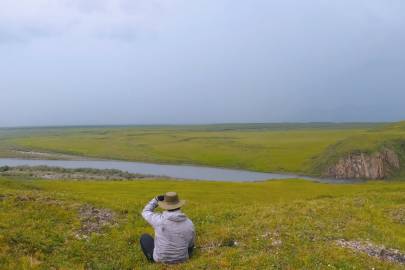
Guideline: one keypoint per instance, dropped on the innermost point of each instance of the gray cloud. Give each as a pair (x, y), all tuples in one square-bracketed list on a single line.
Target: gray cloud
[(97, 62), (122, 19)]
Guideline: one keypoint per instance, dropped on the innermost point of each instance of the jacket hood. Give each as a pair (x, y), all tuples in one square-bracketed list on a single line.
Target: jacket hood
[(176, 216)]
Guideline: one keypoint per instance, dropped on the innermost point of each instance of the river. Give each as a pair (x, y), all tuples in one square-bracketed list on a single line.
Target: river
[(173, 171)]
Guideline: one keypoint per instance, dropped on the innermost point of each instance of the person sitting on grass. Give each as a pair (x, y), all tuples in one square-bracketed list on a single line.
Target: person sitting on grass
[(174, 232)]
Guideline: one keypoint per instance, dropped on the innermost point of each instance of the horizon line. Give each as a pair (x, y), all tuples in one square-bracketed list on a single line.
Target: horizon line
[(193, 124)]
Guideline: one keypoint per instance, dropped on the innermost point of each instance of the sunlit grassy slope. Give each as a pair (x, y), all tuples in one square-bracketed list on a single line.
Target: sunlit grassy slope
[(275, 225), (261, 147)]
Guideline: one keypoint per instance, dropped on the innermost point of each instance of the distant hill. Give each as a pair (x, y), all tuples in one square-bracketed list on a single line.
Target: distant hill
[(340, 150), (376, 153)]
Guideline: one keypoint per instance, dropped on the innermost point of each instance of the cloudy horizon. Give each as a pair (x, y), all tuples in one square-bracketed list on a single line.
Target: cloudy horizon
[(88, 62)]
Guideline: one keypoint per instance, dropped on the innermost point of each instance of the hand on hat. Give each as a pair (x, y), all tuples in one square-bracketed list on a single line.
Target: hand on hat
[(160, 198)]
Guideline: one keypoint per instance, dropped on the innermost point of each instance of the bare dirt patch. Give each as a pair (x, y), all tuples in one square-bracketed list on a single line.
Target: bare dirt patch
[(398, 215), (37, 197), (26, 198), (378, 251), (94, 220), (273, 237)]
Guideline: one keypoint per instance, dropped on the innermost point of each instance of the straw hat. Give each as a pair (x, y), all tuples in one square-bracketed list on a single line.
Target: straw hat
[(171, 201)]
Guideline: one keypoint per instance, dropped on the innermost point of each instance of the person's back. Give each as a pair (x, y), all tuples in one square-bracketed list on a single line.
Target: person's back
[(174, 232)]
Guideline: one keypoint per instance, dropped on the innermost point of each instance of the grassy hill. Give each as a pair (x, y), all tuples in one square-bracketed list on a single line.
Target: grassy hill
[(260, 147), (391, 136), (298, 148), (272, 225)]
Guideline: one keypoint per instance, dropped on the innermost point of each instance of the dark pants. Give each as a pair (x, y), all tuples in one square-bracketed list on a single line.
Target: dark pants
[(148, 244)]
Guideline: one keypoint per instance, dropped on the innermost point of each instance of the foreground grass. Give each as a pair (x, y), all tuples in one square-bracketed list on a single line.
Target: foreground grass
[(273, 148), (271, 225)]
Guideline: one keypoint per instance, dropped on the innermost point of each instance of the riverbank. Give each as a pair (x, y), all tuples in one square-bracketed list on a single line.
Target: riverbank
[(58, 173), (186, 172)]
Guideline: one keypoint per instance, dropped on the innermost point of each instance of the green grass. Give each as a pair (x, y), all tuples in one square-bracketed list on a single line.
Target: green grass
[(298, 148), (277, 224), (390, 136), (260, 147), (306, 217)]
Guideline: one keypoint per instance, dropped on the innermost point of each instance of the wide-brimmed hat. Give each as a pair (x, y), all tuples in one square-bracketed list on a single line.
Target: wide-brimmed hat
[(171, 201)]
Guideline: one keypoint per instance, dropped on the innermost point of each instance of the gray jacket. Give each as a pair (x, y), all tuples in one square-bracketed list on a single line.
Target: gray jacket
[(174, 234)]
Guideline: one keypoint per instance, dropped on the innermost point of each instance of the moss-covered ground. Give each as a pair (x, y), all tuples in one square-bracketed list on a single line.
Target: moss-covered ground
[(271, 225)]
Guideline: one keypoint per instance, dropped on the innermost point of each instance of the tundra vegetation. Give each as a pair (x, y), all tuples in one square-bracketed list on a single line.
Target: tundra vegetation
[(295, 224), (290, 224), (299, 148)]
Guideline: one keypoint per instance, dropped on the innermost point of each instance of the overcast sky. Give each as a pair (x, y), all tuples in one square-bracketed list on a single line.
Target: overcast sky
[(77, 62)]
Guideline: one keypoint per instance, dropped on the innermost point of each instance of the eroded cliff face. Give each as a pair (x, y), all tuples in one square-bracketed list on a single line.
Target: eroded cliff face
[(363, 166)]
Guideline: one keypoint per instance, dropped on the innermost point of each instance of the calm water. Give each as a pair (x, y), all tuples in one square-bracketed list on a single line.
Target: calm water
[(175, 171)]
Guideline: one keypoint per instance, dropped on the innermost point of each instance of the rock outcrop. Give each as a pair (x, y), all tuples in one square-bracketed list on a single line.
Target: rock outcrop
[(379, 165)]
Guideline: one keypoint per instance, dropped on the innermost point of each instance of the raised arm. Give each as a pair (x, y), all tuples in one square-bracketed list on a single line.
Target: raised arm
[(152, 218)]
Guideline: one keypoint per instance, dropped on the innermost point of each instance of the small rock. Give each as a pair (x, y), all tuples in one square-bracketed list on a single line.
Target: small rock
[(276, 243)]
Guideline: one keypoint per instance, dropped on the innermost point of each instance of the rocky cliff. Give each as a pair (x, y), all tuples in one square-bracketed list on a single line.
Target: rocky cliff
[(379, 165)]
